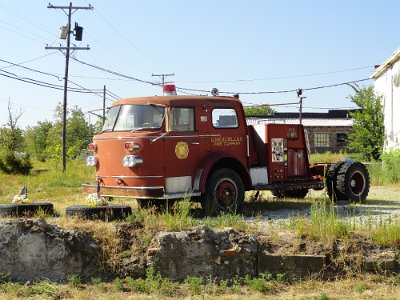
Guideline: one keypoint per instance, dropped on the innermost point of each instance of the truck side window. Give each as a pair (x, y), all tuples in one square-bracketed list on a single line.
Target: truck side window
[(224, 118), (181, 119)]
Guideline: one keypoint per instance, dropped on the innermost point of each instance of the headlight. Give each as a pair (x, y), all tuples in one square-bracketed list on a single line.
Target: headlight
[(91, 161), (130, 161)]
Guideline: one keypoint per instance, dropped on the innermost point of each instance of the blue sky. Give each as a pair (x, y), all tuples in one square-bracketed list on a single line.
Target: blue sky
[(236, 46)]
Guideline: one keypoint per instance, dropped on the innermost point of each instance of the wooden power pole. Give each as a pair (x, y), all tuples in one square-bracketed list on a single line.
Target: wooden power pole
[(66, 30)]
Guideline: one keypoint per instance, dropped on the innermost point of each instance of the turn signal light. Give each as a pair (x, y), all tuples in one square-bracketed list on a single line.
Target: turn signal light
[(130, 146), (92, 147)]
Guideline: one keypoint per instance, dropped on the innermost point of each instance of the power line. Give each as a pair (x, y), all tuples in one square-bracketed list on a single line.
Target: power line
[(115, 73), (11, 64), (126, 39), (279, 77), (182, 89), (44, 84)]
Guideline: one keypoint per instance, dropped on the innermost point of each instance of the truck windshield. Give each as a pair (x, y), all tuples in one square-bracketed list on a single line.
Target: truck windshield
[(134, 117)]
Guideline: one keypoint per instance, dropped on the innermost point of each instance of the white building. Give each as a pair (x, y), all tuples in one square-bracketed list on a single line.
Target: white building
[(387, 84)]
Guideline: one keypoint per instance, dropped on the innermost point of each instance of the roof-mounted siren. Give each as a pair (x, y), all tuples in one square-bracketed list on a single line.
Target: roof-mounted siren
[(215, 92), (169, 90)]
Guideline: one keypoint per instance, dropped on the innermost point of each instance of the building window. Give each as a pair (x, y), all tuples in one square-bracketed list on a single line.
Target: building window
[(321, 140), (341, 139)]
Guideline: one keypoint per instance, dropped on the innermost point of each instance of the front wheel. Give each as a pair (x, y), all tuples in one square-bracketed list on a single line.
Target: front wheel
[(224, 193)]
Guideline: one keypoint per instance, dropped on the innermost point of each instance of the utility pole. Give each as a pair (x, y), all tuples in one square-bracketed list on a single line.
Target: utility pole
[(301, 97), (163, 76), (65, 33), (104, 104)]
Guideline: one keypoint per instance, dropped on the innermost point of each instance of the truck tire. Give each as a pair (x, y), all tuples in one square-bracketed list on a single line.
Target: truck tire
[(224, 193), (353, 181), (103, 212), (331, 182), (26, 209)]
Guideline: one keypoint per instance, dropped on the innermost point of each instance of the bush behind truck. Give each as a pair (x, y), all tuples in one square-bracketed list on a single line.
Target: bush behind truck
[(162, 147)]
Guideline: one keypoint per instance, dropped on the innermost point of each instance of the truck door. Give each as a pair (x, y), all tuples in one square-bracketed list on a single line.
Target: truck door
[(181, 150), (229, 134)]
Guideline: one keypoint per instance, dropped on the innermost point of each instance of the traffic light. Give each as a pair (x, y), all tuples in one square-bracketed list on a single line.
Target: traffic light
[(78, 31)]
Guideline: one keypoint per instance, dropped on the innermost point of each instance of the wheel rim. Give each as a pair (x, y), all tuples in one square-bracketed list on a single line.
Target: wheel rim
[(357, 183), (225, 193)]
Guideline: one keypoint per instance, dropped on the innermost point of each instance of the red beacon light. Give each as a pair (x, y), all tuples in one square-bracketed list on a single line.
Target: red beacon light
[(169, 90)]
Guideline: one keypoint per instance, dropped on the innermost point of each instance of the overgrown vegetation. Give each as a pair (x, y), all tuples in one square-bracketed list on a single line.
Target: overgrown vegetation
[(368, 133), (387, 171), (154, 286), (323, 224)]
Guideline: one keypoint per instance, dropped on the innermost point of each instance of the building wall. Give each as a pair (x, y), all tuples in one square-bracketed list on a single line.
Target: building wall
[(388, 86), (328, 138)]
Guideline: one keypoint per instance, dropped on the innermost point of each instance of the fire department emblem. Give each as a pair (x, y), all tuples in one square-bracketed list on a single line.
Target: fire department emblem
[(181, 150)]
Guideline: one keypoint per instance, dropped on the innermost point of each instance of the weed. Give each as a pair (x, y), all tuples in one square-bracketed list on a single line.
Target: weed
[(153, 284), (258, 284), (387, 235), (323, 224), (74, 280), (4, 277), (180, 218), (227, 220), (236, 285), (360, 287), (323, 296), (194, 285), (118, 284)]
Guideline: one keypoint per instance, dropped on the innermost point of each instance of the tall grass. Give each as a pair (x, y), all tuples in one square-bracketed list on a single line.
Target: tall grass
[(47, 181), (386, 172), (323, 224), (329, 157)]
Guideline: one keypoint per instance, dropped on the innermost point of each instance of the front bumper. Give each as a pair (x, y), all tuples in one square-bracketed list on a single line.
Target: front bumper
[(149, 192)]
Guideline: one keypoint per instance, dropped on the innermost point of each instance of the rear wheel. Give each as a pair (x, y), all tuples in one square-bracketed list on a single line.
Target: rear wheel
[(353, 181), (331, 182), (225, 193)]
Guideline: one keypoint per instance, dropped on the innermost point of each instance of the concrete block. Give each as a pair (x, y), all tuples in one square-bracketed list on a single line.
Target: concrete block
[(298, 265)]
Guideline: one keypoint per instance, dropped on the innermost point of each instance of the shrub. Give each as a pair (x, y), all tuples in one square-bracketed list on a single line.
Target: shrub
[(10, 163)]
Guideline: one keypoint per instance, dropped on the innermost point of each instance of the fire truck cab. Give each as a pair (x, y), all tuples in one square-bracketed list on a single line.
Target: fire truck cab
[(165, 147)]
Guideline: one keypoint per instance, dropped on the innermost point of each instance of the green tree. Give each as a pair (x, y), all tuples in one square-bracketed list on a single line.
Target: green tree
[(368, 134), (258, 111), (36, 139), (77, 132)]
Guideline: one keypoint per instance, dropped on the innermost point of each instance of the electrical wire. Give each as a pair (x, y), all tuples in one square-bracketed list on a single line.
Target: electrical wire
[(280, 77), (280, 91), (116, 73), (126, 39), (42, 83), (11, 64)]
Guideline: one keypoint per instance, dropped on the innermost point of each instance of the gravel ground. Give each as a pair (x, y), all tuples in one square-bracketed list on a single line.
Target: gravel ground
[(382, 205)]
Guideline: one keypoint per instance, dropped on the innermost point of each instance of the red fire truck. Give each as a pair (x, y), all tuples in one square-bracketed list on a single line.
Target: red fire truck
[(165, 147)]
